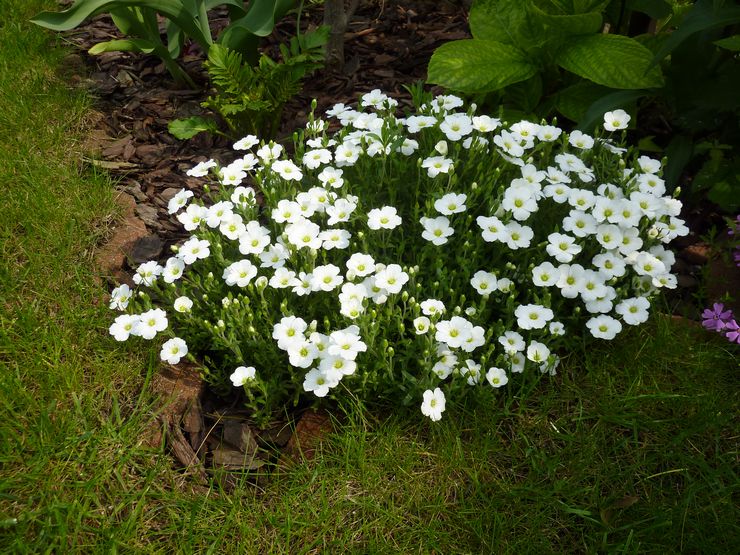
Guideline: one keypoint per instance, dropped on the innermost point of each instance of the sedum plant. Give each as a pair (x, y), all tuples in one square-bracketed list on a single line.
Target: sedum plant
[(405, 259)]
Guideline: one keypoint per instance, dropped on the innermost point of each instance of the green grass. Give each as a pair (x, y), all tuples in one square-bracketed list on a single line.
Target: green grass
[(632, 449)]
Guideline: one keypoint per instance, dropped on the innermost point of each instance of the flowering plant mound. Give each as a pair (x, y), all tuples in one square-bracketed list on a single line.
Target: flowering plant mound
[(406, 258)]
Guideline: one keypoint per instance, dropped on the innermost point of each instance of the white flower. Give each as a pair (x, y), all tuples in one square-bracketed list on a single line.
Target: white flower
[(120, 297), (302, 284), (334, 239), (392, 278), (471, 371), (383, 218), (414, 124), (545, 275), (609, 236), (331, 177), (485, 124), (610, 264), (496, 377), (374, 98), (268, 153), (645, 263), (516, 362), (173, 350), (434, 404), (517, 236), (201, 169), (454, 331), (147, 273), (242, 375), (537, 352), (314, 158), (476, 338), (436, 165), (617, 119), (289, 331), (326, 278), (579, 223), (218, 212), (287, 170), (347, 154), (512, 342), (183, 304), (432, 307), (302, 354), (304, 234), (150, 323), (361, 264), (340, 211), (456, 126), (556, 328), (173, 270), (493, 228), (232, 227), (548, 133), (245, 143), (346, 344), (648, 165), (580, 140), (123, 326), (508, 143), (484, 282), (233, 174), (274, 257), (337, 367), (194, 249), (532, 316), (505, 285), (282, 278), (421, 325), (570, 280), (436, 230), (562, 247), (239, 273), (193, 216), (178, 201), (634, 311), (451, 203), (408, 147), (317, 382), (604, 327)]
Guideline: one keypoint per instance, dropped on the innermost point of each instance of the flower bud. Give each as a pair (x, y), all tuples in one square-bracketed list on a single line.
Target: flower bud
[(221, 324), (261, 283), (391, 351), (441, 147), (404, 296)]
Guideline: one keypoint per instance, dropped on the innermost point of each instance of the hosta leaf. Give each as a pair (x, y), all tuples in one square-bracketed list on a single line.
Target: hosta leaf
[(574, 101), (187, 128), (474, 66), (614, 61)]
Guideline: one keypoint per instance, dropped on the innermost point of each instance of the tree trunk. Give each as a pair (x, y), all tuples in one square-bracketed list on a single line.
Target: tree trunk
[(337, 16)]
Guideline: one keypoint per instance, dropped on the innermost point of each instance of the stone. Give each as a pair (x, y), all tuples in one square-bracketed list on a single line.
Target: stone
[(240, 435), (145, 249)]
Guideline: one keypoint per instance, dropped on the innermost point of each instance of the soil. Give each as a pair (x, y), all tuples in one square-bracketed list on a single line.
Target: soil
[(387, 46)]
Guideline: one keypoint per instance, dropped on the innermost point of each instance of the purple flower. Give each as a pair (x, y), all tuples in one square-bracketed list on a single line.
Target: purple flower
[(716, 318), (732, 331)]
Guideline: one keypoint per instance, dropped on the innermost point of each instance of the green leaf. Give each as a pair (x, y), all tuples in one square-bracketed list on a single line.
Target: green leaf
[(730, 43), (261, 17), (83, 9), (504, 21), (575, 101), (657, 9), (702, 17), (566, 25), (187, 128), (614, 61), (123, 45), (476, 66), (679, 152)]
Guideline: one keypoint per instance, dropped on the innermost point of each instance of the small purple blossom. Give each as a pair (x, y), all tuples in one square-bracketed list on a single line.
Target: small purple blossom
[(716, 318), (732, 331)]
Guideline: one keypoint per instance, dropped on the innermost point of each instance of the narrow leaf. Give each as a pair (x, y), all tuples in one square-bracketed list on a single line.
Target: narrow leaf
[(123, 45), (614, 61), (595, 112), (475, 66)]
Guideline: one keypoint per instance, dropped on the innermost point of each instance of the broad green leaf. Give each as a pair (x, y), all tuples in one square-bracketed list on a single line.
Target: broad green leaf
[(189, 127), (574, 101), (505, 21), (595, 113), (702, 17), (261, 16), (657, 9), (476, 66), (124, 45), (614, 61), (574, 24), (572, 7), (730, 43), (679, 152)]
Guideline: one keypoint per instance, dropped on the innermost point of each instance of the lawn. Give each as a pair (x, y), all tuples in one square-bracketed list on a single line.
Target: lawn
[(631, 448)]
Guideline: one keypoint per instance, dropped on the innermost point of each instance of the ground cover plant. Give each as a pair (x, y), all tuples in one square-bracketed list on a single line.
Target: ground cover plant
[(632, 448), (400, 252)]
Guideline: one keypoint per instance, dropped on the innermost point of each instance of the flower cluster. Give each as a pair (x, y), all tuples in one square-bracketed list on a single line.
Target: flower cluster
[(406, 258), (722, 321)]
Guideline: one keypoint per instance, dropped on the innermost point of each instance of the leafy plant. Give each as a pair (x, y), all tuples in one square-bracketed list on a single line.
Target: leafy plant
[(250, 99), (137, 19)]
